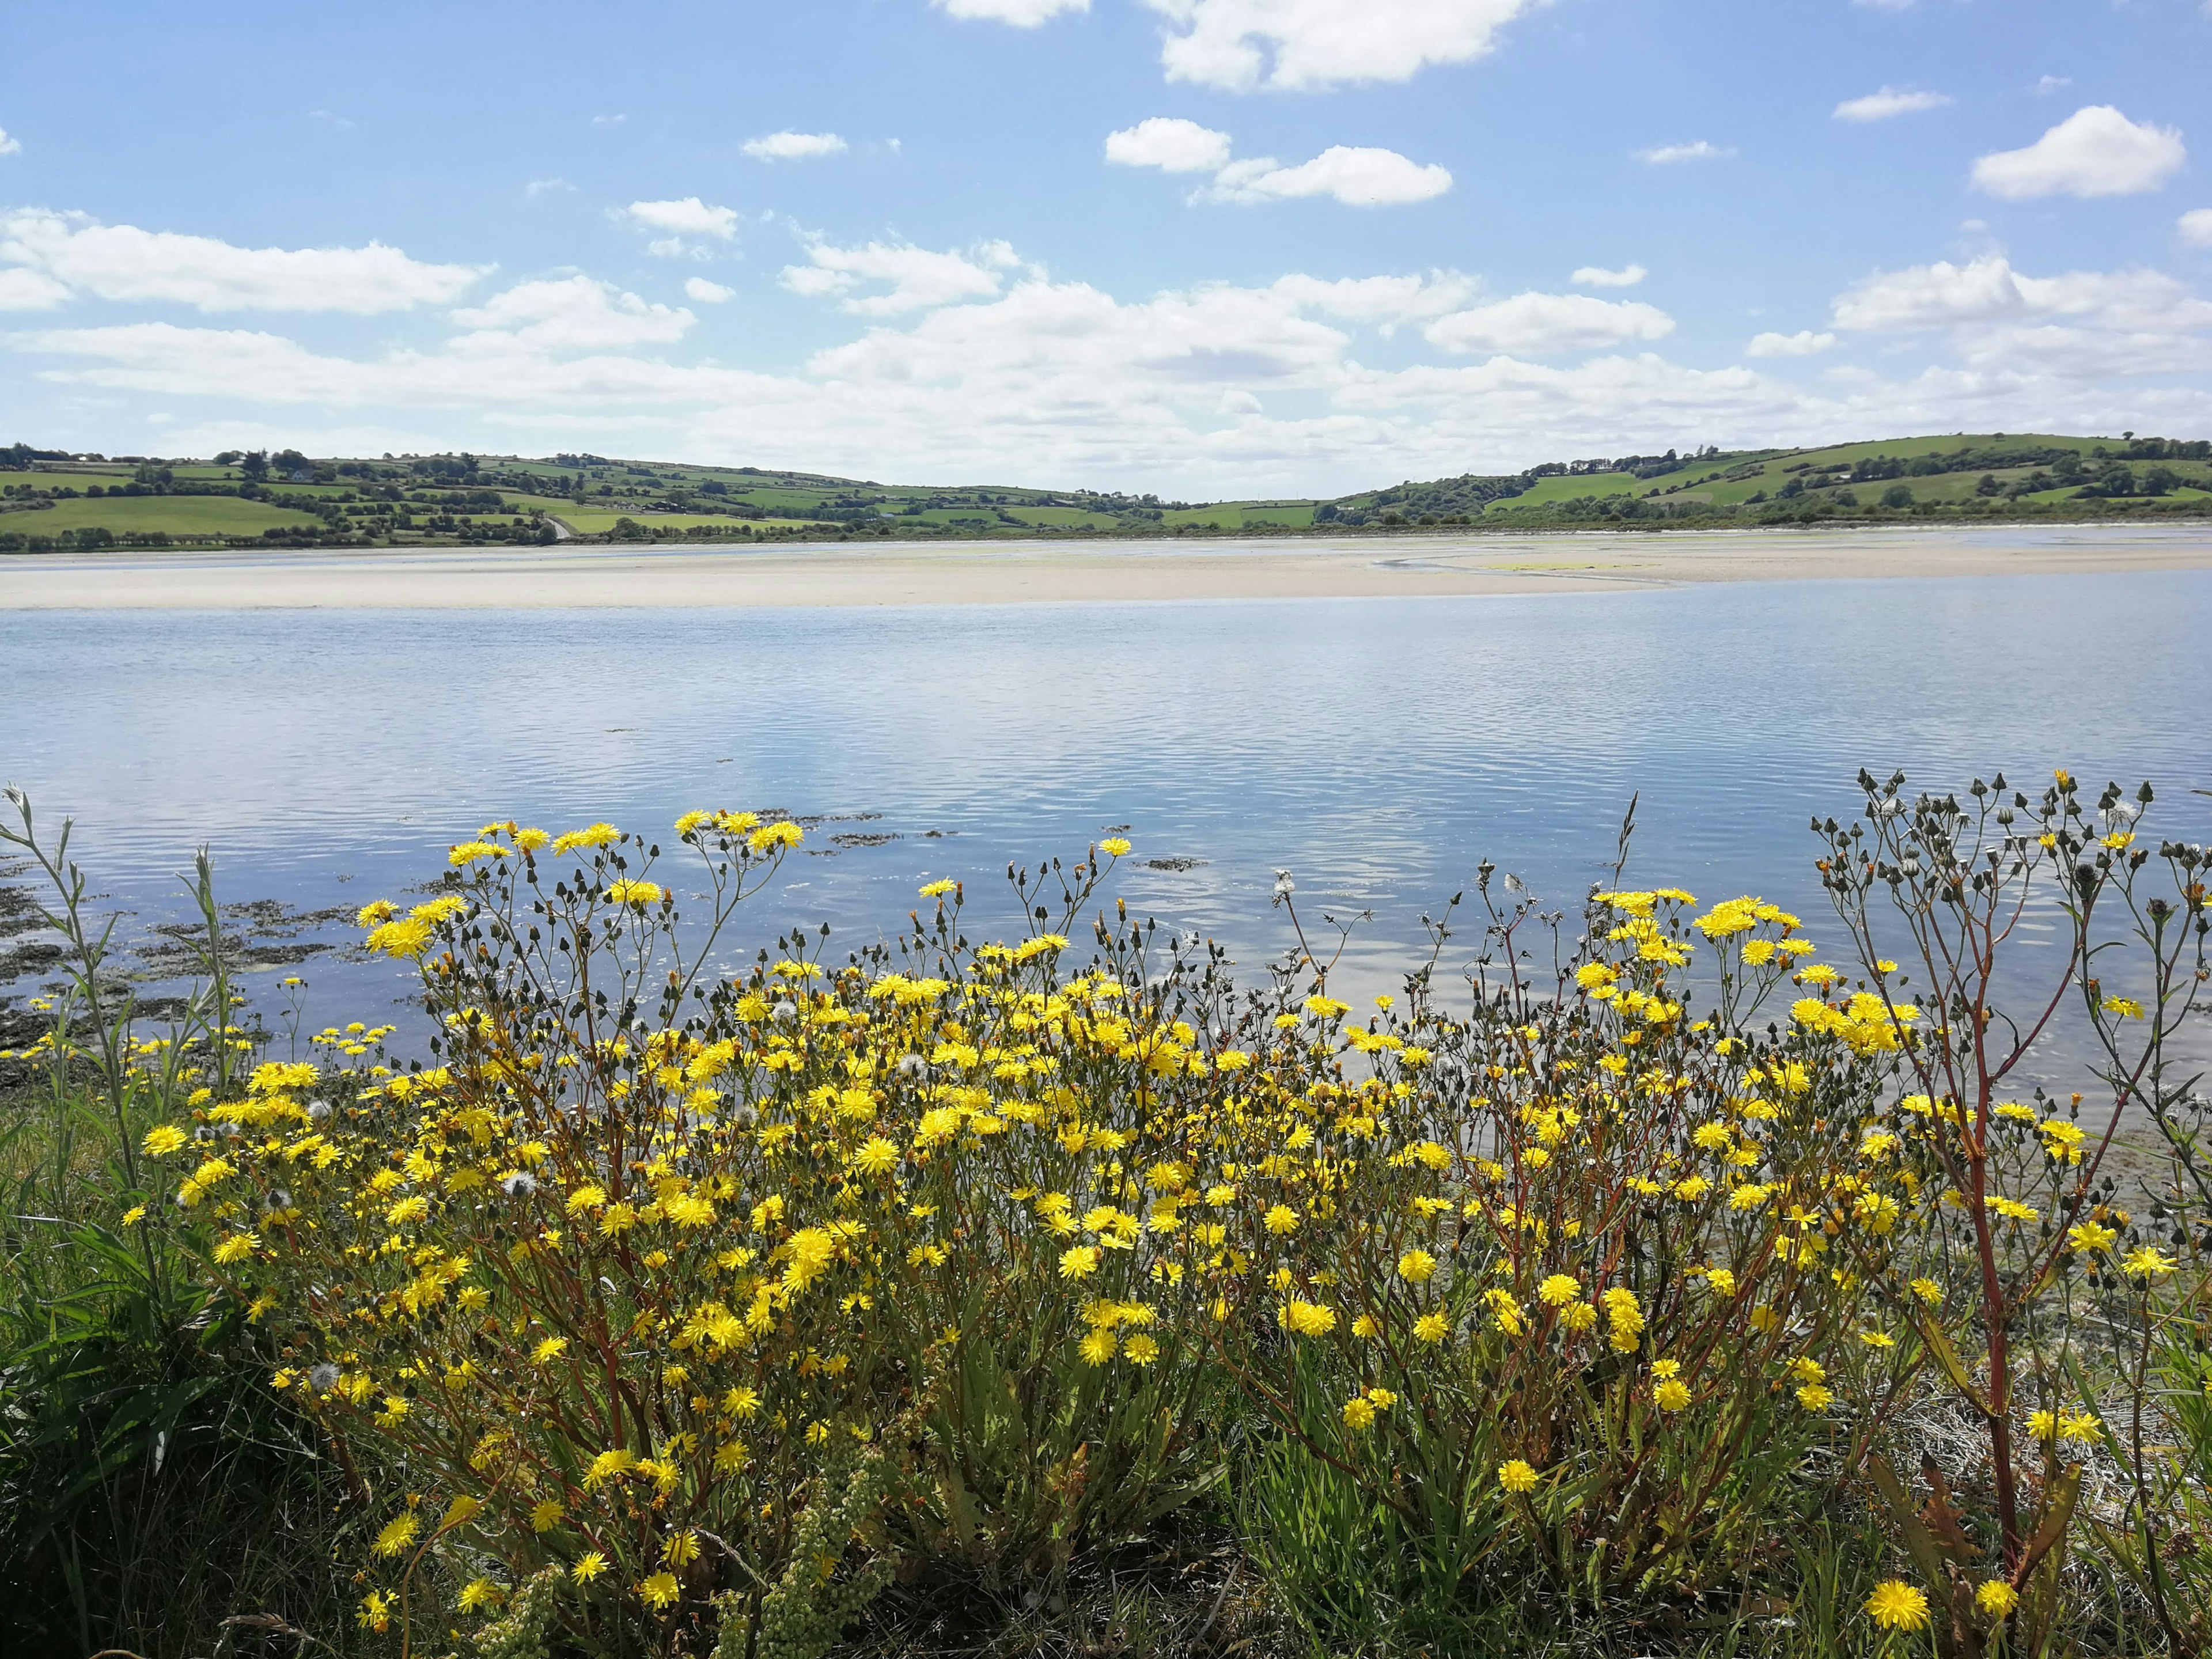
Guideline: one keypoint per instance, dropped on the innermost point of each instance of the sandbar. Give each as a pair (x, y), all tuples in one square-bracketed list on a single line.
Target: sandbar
[(1066, 572)]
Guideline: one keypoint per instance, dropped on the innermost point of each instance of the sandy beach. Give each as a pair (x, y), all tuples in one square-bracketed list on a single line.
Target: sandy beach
[(1015, 572)]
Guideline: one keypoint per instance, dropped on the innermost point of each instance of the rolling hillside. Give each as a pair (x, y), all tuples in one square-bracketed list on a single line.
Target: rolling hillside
[(51, 501)]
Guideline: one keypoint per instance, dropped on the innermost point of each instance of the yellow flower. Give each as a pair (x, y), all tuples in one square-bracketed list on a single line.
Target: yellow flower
[(1099, 1346), (2090, 1238), (1671, 1395), (2148, 1263), (163, 1138), (771, 837), (236, 1247), (1559, 1290), (1114, 846), (1358, 1415), (1140, 1350), (1079, 1261), (1927, 1289), (545, 1515), (397, 1535), (635, 894), (1996, 1598), (599, 835), (1281, 1219), (589, 1565), (609, 1466), (1516, 1476), (469, 852), (939, 889), (478, 1593), (681, 1549), (1417, 1266), (375, 914), (1895, 1605), (1430, 1329), (1307, 1319), (134, 1215), (549, 1351)]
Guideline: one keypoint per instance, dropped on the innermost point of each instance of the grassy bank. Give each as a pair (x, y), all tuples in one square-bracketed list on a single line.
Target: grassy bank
[(1658, 1283)]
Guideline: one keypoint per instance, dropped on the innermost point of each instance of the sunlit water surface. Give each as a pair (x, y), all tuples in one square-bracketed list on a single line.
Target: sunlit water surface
[(1378, 749)]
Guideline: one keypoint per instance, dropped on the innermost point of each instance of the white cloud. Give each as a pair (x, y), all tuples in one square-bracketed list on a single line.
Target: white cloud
[(688, 217), (30, 290), (794, 146), (2095, 151), (1357, 177), (1243, 45), (569, 313), (609, 120), (919, 277), (2051, 83), (1545, 325), (1661, 156), (1890, 102), (1169, 143), (122, 262), (2081, 326), (1598, 277), (1931, 296), (706, 293), (538, 187), (2196, 227), (1382, 301), (10, 146), (1022, 13), (1804, 343)]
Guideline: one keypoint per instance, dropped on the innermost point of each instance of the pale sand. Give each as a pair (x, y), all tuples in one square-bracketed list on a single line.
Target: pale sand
[(1014, 573)]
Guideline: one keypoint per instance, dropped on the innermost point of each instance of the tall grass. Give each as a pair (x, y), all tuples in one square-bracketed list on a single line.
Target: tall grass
[(151, 1487)]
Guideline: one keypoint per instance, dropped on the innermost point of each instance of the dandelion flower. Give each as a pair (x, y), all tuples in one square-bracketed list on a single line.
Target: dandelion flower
[(1115, 846), (2146, 1263), (1559, 1290), (1358, 1414), (1895, 1605), (1516, 1476), (1996, 1598), (1140, 1350), (939, 889), (589, 1565), (545, 1515), (549, 1351), (1417, 1266), (478, 1593), (397, 1535), (1281, 1219), (1430, 1329), (681, 1549), (1079, 1261), (635, 894), (1813, 1397), (1671, 1395), (163, 1138)]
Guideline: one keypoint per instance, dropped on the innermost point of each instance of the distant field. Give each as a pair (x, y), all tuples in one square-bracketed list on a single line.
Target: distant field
[(181, 516), (590, 521)]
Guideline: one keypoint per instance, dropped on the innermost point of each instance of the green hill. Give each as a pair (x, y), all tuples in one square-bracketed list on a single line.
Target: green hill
[(52, 501)]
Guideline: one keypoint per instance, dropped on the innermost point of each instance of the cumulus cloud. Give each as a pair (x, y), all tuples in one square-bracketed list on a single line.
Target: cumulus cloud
[(1804, 343), (917, 278), (2095, 151), (571, 313), (1663, 155), (1889, 103), (1244, 45), (1546, 324), (2082, 324), (1022, 13), (794, 146), (689, 217), (10, 146), (1169, 143), (2196, 227), (1598, 277), (122, 262), (1356, 176), (706, 293), (30, 290)]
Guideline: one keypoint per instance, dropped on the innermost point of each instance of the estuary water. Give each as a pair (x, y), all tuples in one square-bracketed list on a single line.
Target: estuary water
[(1378, 749)]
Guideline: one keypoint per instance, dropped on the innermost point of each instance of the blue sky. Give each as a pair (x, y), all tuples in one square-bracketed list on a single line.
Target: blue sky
[(1205, 247)]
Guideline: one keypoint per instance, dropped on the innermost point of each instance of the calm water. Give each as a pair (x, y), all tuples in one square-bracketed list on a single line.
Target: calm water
[(1379, 749)]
